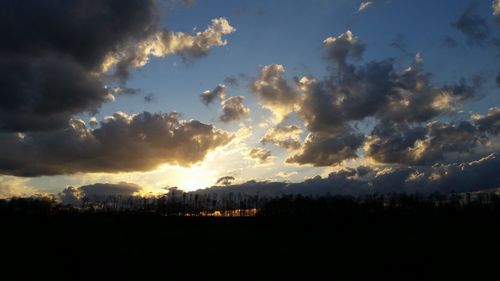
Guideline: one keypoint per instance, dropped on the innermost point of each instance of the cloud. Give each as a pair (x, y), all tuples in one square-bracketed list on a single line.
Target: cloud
[(338, 49), (376, 90), (73, 56), (437, 142), (472, 25), (232, 81), (15, 187), (149, 98), (122, 143), (226, 180), (49, 73), (98, 192), (465, 177), (287, 137), (166, 42), (489, 123), (496, 10), (218, 92), (364, 5), (260, 155), (286, 174), (322, 149), (233, 109), (189, 47), (274, 91)]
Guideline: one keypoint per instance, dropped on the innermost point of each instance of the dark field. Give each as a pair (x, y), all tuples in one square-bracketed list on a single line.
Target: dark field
[(388, 245)]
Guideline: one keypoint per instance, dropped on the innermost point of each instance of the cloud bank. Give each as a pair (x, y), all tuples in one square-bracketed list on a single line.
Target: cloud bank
[(122, 143)]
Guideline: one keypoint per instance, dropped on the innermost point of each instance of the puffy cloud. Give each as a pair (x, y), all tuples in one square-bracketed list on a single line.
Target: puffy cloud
[(416, 99), (260, 155), (465, 177), (472, 25), (274, 91), (70, 53), (364, 5), (327, 106), (121, 143), (189, 46), (420, 145), (98, 192), (93, 121), (321, 149), (489, 123), (352, 93), (166, 42), (436, 142), (287, 137), (218, 92), (338, 49), (233, 109)]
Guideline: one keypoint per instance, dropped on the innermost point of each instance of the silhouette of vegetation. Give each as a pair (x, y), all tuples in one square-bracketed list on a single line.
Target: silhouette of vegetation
[(396, 236), (179, 203)]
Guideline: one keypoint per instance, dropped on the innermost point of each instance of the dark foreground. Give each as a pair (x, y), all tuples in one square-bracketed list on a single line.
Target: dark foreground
[(378, 245)]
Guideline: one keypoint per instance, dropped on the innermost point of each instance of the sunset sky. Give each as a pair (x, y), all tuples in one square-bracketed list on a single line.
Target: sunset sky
[(149, 95)]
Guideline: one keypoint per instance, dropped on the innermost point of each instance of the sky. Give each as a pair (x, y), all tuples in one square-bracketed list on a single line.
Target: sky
[(333, 96)]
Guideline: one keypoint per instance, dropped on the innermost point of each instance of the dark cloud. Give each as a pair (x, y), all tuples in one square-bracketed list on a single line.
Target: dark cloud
[(98, 192), (472, 25), (52, 51), (287, 137), (421, 145), (328, 104), (60, 58), (466, 177), (42, 93), (233, 109), (149, 98), (232, 81), (338, 49), (417, 99), (227, 180), (260, 155), (122, 143), (437, 142), (490, 123), (322, 149), (218, 93)]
